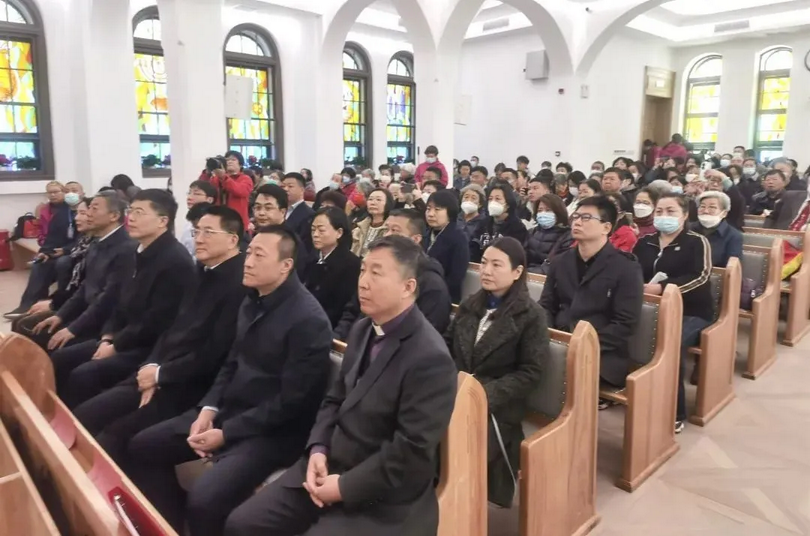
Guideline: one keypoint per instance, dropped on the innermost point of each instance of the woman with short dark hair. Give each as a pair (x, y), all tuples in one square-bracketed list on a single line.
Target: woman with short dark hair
[(445, 241), (500, 335), (332, 276), (551, 236)]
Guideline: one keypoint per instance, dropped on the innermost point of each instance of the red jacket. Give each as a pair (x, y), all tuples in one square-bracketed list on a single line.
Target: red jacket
[(420, 172), (624, 239), (235, 192), (672, 150)]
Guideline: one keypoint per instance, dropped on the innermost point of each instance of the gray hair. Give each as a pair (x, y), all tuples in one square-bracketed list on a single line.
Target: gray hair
[(114, 203), (365, 187), (560, 178), (725, 201), (781, 160), (660, 187), (370, 172)]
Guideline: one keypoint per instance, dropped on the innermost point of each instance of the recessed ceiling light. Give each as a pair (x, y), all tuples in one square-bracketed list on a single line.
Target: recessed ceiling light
[(702, 7)]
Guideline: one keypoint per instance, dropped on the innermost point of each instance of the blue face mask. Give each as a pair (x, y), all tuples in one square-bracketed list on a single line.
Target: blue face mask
[(727, 183), (346, 179), (666, 224), (546, 220), (333, 186), (677, 189)]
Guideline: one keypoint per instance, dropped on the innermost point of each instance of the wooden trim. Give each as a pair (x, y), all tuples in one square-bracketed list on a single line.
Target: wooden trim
[(558, 462), (765, 314), (718, 350)]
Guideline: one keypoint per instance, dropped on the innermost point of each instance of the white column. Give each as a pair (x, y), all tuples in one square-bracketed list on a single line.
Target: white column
[(193, 42), (738, 93)]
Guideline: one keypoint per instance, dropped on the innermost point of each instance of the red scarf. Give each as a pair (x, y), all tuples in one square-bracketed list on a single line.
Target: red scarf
[(801, 218)]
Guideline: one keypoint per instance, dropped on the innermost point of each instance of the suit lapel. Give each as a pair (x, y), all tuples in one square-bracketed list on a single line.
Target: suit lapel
[(598, 265), (360, 345)]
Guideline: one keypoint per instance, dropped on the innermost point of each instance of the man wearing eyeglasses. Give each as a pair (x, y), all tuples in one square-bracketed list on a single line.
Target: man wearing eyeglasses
[(184, 362), (597, 283)]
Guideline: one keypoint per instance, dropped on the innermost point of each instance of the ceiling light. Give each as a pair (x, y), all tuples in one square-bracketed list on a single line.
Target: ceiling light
[(702, 7)]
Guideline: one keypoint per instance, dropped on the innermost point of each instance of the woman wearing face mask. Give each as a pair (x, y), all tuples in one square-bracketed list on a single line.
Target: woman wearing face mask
[(551, 236), (501, 221), (683, 258), (575, 178), (643, 210), (500, 335), (749, 184), (378, 204), (725, 240), (623, 237), (445, 241), (473, 199)]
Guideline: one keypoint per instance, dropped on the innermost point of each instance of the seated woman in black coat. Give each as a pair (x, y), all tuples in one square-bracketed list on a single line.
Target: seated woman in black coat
[(552, 235), (445, 241), (332, 275), (502, 220), (500, 335)]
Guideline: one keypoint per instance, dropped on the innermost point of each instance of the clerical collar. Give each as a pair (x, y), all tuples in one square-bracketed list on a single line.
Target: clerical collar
[(389, 326)]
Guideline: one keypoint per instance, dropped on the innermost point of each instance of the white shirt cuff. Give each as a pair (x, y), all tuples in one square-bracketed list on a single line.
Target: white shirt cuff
[(212, 408)]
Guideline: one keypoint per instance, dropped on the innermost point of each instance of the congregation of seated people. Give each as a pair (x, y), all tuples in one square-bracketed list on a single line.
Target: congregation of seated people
[(215, 344)]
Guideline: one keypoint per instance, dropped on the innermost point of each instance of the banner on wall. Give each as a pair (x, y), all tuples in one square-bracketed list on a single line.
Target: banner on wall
[(238, 97)]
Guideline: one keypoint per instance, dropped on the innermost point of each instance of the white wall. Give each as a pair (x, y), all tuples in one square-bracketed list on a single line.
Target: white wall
[(511, 116), (738, 91)]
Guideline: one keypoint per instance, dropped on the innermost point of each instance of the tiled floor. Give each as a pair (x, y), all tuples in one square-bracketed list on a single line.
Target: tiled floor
[(746, 474)]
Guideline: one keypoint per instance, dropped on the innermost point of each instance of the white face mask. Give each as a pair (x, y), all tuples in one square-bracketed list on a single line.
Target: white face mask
[(725, 162), (749, 171), (708, 221), (495, 209), (430, 160), (641, 210), (573, 191), (690, 177), (474, 163), (469, 207), (385, 179), (425, 197)]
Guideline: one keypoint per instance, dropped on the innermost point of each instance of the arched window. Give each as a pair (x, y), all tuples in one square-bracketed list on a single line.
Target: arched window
[(25, 144), (703, 103), (151, 97), (772, 101), (356, 106), (401, 113), (251, 52)]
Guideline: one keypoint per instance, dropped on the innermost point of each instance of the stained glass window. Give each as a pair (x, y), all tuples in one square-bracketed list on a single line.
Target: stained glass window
[(703, 103), (250, 52), (151, 97), (356, 108), (772, 102), (400, 109), (20, 147)]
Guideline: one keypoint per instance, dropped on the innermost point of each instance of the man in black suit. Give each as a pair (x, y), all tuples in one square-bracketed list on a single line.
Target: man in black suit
[(299, 214), (163, 271), (371, 457), (256, 417), (786, 208), (187, 357), (271, 207), (109, 264), (599, 284)]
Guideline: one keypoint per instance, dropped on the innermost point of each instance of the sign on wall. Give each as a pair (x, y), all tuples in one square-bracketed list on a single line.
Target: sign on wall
[(238, 97)]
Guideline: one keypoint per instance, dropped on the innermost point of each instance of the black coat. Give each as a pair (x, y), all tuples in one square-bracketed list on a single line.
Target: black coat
[(736, 215), (300, 221), (542, 244), (687, 261), (151, 298), (433, 300), (725, 242), (785, 210), (382, 432), (62, 233), (764, 201), (508, 360), (490, 230), (610, 297), (333, 282), (470, 227), (108, 265), (196, 344), (276, 373), (451, 249), (796, 184), (748, 187)]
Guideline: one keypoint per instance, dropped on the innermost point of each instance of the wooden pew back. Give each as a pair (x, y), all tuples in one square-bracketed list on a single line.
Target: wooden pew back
[(558, 461)]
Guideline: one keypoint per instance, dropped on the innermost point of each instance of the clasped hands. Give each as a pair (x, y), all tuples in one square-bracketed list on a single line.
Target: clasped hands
[(203, 438), (322, 487)]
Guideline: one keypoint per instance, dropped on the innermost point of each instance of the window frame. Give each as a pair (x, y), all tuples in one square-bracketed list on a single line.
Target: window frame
[(692, 82), (762, 77), (268, 63), (393, 79), (363, 76), (32, 32), (154, 48)]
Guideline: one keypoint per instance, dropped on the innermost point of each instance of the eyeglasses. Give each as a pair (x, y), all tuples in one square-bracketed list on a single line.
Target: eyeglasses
[(584, 217), (207, 233)]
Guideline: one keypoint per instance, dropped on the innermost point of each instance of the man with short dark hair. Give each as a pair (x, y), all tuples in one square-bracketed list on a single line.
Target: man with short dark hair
[(370, 461), (774, 183), (199, 191), (433, 297), (186, 358), (299, 215), (432, 174), (256, 417), (431, 160), (545, 165), (612, 180), (270, 205), (523, 163), (234, 185), (788, 167), (599, 284), (163, 271), (479, 176), (463, 178), (108, 265)]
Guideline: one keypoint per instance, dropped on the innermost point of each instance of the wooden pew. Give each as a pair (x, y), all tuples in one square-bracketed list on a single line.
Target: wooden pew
[(797, 289), (93, 495), (652, 390), (754, 221), (764, 266), (472, 283), (558, 460), (718, 349), (23, 251), (21, 508)]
